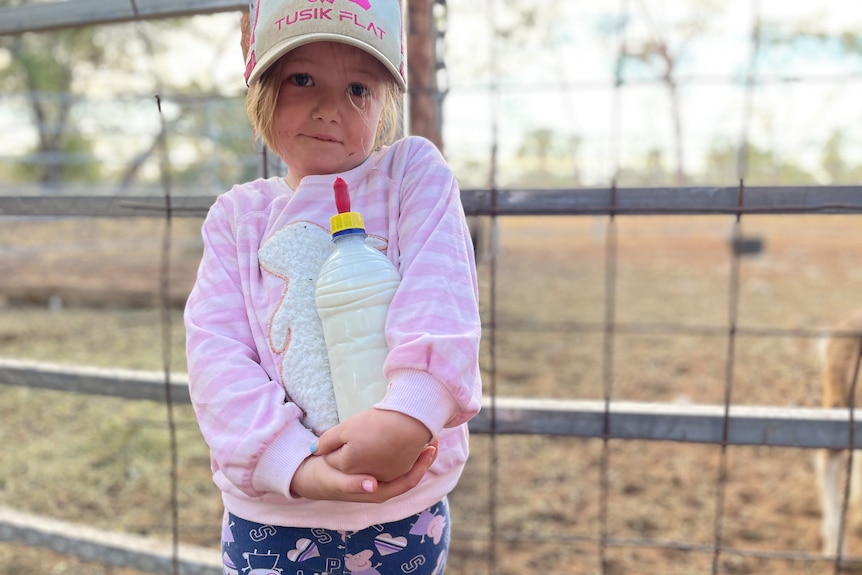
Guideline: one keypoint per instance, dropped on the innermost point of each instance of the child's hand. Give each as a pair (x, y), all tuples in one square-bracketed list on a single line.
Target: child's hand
[(379, 442), (315, 478)]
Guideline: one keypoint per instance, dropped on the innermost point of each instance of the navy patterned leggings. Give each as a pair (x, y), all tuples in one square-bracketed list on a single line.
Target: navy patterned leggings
[(417, 545)]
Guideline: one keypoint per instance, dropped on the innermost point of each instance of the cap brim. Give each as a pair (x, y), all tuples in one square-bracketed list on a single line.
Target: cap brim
[(267, 60)]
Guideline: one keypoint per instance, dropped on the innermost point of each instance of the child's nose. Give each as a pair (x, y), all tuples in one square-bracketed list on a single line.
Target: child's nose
[(328, 107)]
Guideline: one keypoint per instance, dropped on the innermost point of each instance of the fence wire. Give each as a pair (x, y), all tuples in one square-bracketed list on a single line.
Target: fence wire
[(495, 202), (165, 300)]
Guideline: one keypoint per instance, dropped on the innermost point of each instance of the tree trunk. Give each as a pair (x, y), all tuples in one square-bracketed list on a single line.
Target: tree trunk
[(425, 112)]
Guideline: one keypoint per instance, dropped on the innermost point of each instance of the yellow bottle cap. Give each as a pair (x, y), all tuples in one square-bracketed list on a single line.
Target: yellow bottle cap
[(346, 221)]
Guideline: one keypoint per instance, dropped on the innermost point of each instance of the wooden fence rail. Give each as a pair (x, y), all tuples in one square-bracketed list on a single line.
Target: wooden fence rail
[(769, 426), (508, 202), (43, 17), (108, 547)]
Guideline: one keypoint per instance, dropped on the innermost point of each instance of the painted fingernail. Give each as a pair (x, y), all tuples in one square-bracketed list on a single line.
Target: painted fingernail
[(313, 448), (368, 486)]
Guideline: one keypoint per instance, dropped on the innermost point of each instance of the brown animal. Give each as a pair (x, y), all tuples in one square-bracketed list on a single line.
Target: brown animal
[(840, 358)]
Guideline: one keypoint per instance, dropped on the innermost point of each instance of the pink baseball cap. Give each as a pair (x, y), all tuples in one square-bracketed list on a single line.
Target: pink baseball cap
[(279, 26)]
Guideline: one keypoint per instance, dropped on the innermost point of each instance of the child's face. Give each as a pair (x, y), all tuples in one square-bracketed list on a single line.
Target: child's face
[(328, 108)]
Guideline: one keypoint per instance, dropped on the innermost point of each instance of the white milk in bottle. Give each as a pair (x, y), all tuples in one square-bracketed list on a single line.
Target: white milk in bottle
[(354, 289)]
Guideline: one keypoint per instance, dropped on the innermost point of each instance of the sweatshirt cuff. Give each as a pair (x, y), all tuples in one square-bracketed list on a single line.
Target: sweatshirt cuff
[(421, 396), (280, 460)]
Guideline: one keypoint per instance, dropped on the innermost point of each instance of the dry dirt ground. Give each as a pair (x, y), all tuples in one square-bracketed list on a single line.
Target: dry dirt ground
[(80, 291)]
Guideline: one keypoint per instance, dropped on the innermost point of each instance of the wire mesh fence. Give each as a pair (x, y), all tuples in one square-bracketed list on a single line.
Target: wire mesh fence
[(669, 376), (650, 364)]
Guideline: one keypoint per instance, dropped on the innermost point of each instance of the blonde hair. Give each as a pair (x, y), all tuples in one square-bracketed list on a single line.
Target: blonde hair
[(262, 97)]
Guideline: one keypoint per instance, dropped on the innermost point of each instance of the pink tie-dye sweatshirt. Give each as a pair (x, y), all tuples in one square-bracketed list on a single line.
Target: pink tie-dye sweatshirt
[(258, 368)]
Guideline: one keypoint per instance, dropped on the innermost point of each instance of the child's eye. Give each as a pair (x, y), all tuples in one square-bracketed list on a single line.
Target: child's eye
[(302, 80), (359, 91)]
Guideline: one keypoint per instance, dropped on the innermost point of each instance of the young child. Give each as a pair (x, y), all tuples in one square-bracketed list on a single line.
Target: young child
[(303, 492)]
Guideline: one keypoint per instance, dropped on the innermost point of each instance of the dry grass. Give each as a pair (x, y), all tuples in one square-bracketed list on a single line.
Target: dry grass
[(104, 461)]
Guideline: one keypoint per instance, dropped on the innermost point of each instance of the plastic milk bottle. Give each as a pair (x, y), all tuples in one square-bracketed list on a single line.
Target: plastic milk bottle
[(354, 289)]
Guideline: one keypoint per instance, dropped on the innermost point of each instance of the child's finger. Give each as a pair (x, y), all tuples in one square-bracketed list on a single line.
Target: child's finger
[(328, 442), (369, 485)]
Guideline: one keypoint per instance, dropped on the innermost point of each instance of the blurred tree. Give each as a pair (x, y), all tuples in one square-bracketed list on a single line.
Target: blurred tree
[(832, 161), (43, 66), (58, 72), (835, 165), (426, 23), (218, 131), (813, 38), (660, 48), (765, 166), (836, 47), (548, 159)]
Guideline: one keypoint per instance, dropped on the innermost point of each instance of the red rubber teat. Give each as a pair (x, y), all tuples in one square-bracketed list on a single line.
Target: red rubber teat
[(342, 196)]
